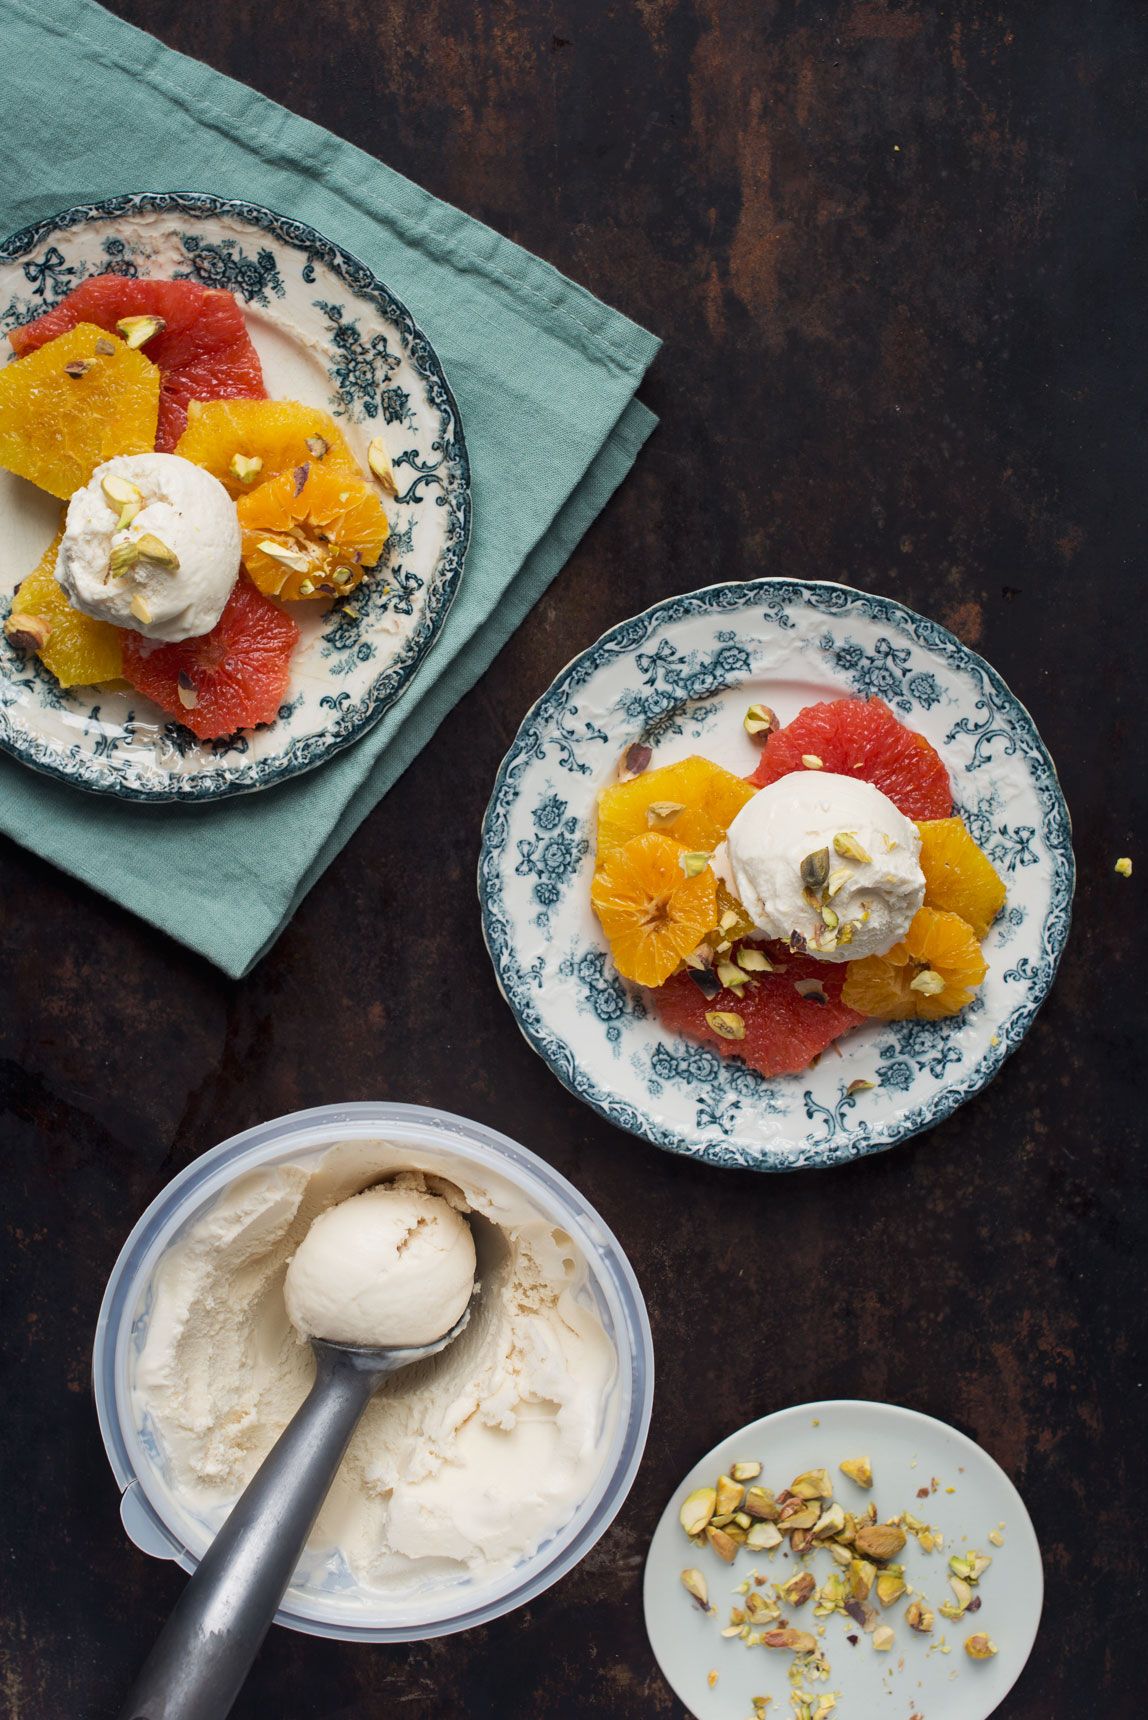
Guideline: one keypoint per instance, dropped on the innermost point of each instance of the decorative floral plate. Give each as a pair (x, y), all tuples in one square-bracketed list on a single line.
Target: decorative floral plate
[(680, 678), (328, 333)]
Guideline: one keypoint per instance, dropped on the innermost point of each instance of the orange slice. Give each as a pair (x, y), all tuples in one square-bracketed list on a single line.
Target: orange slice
[(79, 400), (80, 651), (958, 876), (693, 801), (227, 437), (311, 532), (932, 973), (651, 912)]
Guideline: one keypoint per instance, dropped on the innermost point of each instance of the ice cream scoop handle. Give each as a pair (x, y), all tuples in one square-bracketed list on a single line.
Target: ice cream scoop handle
[(205, 1650)]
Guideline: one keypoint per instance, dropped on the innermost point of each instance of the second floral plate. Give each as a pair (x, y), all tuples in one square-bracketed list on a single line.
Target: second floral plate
[(679, 678), (329, 334)]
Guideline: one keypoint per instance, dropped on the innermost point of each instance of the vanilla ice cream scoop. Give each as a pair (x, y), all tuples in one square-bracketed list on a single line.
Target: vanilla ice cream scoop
[(391, 1266), (151, 542), (828, 858)]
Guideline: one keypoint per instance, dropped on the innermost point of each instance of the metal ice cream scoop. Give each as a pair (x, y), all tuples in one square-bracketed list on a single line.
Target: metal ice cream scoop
[(205, 1651)]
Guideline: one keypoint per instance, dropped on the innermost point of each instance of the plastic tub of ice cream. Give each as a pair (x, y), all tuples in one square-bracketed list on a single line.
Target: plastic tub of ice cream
[(590, 1437)]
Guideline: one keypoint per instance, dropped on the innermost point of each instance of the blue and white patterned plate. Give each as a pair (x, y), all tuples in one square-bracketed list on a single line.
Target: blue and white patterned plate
[(680, 678), (328, 333)]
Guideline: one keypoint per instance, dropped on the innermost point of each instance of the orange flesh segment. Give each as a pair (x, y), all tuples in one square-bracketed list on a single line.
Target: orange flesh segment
[(80, 650), (56, 428), (274, 432), (710, 798), (331, 524), (652, 914), (938, 944), (958, 876)]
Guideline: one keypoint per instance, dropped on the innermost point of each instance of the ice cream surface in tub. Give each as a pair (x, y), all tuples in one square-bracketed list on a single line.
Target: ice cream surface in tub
[(463, 1464), (814, 840)]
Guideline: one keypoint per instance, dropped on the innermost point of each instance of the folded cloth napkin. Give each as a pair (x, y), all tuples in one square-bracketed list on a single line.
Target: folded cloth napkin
[(95, 107)]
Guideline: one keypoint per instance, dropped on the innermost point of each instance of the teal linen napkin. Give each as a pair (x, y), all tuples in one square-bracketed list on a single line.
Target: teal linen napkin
[(544, 375)]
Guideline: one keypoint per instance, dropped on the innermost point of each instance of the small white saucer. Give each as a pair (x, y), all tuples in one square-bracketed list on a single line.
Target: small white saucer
[(913, 1679)]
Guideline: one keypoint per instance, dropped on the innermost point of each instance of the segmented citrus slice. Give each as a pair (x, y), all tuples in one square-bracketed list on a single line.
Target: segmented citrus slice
[(244, 443), (78, 401), (934, 972), (228, 679), (777, 1028), (311, 532), (202, 346), (652, 913), (958, 876), (79, 650), (693, 801), (862, 738)]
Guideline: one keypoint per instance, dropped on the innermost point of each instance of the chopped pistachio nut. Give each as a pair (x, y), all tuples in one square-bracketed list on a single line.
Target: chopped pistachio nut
[(150, 548), (695, 1584), (812, 762), (185, 686), (862, 1576), (712, 1678), (759, 1502), (919, 1617), (996, 1537), (883, 1638), (244, 469), (697, 1510), (798, 1589), (317, 446), (880, 1541), (754, 961), (728, 1495), (137, 331), (847, 845), (812, 989), (853, 1088), (139, 608), (763, 1537), (292, 558), (1124, 867), (694, 864), (27, 632), (830, 1522), (380, 463), (815, 869), (928, 982), (726, 1022), (796, 1641), (660, 814), (732, 976), (980, 1647), (724, 1545), (759, 720), (858, 1469), (78, 367), (890, 1588), (634, 761)]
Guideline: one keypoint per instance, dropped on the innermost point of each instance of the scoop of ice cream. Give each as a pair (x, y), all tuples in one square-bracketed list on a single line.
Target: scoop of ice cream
[(816, 853), (392, 1265), (121, 573)]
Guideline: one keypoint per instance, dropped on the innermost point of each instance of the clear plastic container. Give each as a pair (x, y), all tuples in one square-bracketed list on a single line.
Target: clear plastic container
[(150, 1514)]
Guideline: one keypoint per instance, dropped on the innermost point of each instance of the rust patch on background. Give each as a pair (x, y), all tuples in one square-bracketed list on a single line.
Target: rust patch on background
[(878, 21), (966, 620)]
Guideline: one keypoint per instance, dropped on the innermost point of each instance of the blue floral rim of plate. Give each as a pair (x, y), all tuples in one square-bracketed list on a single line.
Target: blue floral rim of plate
[(384, 375), (683, 673)]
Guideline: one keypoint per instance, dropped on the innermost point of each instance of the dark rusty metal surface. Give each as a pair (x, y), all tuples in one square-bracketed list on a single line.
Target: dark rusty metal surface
[(895, 253)]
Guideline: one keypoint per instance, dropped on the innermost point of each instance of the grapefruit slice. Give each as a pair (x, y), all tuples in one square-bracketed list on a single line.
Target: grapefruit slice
[(203, 349), (783, 1028), (862, 738), (228, 679)]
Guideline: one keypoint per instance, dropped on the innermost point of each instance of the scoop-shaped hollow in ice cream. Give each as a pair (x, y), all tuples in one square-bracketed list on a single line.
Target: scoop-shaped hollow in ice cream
[(826, 857), (151, 543), (391, 1266)]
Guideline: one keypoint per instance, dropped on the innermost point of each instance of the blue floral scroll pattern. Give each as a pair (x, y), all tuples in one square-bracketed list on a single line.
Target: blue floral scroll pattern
[(924, 1069), (672, 681), (550, 856), (886, 672), (225, 264), (600, 992), (363, 370)]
